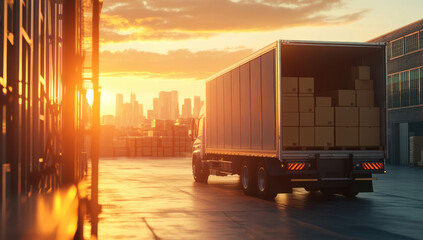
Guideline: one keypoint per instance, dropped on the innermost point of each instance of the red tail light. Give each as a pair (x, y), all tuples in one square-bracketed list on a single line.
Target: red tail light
[(296, 166), (372, 166)]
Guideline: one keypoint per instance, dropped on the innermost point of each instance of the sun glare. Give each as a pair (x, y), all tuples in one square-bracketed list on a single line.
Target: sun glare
[(90, 96)]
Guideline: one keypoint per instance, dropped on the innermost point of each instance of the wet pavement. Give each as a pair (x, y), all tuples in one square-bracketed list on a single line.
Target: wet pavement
[(158, 199)]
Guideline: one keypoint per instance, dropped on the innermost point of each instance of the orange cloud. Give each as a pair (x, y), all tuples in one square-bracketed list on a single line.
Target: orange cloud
[(125, 20), (179, 64)]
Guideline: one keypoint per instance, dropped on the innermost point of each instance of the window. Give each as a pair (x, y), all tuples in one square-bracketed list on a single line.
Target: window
[(388, 50), (398, 47), (405, 89), (389, 91), (421, 39), (414, 87), (421, 84), (412, 43), (395, 91)]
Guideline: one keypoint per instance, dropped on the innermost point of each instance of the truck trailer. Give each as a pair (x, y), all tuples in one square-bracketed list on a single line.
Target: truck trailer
[(296, 114)]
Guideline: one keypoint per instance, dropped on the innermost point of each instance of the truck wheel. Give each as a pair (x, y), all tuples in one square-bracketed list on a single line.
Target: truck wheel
[(200, 175), (248, 178), (265, 184)]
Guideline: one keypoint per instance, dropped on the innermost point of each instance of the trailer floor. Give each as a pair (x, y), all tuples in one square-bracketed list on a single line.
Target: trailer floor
[(149, 198)]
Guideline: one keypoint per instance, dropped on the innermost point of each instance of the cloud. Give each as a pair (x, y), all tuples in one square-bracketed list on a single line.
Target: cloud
[(178, 64), (126, 20)]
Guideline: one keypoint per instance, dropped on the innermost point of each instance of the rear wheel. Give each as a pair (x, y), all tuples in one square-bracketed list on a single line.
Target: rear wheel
[(265, 184), (200, 175), (248, 178)]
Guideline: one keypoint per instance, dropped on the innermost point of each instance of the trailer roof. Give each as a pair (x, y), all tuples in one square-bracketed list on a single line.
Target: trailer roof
[(293, 42)]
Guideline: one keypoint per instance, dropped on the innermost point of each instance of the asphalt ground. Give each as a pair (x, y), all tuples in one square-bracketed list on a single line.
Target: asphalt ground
[(157, 198)]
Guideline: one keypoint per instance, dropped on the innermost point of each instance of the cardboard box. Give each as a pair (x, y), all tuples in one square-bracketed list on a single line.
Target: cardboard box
[(369, 116), (290, 136), (290, 85), (346, 116), (346, 136), (306, 104), (167, 152), (291, 119), (307, 119), (360, 72), (369, 136), (323, 102), (159, 152), (344, 98), (359, 84), (289, 104), (307, 136), (324, 136), (167, 144), (324, 116), (146, 151), (365, 98), (154, 152), (306, 85)]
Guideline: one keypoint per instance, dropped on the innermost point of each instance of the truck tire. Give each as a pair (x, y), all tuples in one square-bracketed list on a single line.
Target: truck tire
[(248, 178), (200, 175), (265, 184)]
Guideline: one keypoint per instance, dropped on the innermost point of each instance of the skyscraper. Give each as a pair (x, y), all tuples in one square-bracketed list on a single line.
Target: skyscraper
[(140, 113), (119, 110), (168, 105), (198, 104), (155, 107), (186, 108)]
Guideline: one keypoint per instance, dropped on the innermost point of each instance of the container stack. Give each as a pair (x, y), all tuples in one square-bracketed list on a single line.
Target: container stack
[(340, 118), (165, 139)]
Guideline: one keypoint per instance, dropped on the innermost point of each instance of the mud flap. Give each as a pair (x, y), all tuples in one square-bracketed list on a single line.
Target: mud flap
[(281, 183), (362, 186)]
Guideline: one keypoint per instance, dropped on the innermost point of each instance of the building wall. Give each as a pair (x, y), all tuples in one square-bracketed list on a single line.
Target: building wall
[(404, 86)]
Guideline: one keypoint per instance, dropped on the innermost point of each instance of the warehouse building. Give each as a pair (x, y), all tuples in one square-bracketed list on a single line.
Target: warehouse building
[(404, 93)]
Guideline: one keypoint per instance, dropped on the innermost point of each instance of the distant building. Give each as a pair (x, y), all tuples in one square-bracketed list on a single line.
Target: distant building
[(198, 104), (155, 107), (140, 113), (108, 120), (127, 115), (168, 105), (186, 108), (404, 85), (119, 110), (150, 115)]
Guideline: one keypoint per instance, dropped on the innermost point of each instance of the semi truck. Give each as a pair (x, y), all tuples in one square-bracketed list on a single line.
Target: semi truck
[(296, 114)]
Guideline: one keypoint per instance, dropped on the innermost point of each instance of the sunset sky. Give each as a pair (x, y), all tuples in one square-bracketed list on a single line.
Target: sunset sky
[(152, 45)]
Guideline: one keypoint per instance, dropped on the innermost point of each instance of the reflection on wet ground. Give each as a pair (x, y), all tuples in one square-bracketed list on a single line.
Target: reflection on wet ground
[(158, 199)]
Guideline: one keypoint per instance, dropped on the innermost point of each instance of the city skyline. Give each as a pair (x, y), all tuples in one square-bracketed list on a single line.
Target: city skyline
[(133, 113), (160, 50)]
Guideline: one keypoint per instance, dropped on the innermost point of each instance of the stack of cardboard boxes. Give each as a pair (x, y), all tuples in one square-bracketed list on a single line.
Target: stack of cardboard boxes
[(298, 111), (368, 116), (341, 118)]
